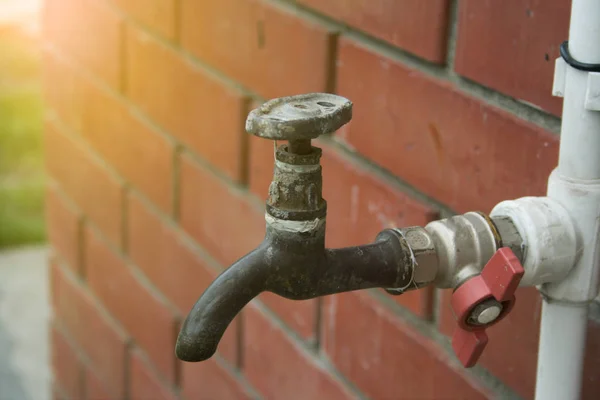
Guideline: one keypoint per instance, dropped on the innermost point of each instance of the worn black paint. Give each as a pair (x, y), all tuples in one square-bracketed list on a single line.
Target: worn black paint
[(296, 266)]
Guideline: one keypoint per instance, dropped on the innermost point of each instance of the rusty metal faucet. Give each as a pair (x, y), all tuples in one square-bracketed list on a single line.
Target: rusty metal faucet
[(292, 260)]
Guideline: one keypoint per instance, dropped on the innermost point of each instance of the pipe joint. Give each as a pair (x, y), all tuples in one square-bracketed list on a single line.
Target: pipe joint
[(450, 251), (423, 258), (548, 237), (581, 283)]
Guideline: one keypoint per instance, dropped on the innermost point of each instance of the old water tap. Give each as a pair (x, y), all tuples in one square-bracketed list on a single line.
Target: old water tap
[(476, 255)]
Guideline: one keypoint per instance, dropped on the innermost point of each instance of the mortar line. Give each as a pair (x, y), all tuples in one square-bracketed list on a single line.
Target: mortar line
[(176, 182), (436, 299), (127, 370), (331, 63), (244, 167), (452, 35), (123, 64), (177, 367), (239, 339), (318, 325), (125, 218), (178, 22), (82, 269)]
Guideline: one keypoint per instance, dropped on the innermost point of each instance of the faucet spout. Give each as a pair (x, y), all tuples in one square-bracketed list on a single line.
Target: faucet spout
[(295, 266), (219, 304)]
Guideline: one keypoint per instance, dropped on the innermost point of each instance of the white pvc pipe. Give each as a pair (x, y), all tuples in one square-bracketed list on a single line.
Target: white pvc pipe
[(576, 185), (580, 136), (562, 349)]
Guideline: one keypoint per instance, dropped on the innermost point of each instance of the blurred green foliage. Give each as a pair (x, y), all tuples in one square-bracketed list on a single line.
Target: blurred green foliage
[(21, 163)]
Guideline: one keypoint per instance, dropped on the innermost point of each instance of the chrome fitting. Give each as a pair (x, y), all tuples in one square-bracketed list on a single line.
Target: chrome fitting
[(463, 244), (425, 262)]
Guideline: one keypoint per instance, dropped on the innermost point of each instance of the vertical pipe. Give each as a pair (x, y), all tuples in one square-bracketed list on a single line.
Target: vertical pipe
[(561, 352), (580, 140), (575, 184)]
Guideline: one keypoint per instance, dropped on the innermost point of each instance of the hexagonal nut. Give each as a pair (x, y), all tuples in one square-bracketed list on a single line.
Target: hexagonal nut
[(425, 256)]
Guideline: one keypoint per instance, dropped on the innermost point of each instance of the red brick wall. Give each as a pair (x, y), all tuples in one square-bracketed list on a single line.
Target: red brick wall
[(154, 187)]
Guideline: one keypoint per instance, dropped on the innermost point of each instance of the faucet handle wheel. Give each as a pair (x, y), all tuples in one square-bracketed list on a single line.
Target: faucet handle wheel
[(301, 117)]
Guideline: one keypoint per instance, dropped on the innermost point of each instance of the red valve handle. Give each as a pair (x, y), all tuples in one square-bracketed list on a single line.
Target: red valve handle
[(498, 280)]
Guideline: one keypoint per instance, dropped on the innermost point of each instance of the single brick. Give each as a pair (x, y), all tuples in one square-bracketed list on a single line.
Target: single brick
[(104, 343), (145, 383), (141, 312), (63, 225), (208, 380), (135, 149), (66, 366), (374, 348), (268, 49), (92, 188), (490, 48), (217, 216), (279, 368), (158, 15), (450, 146), (205, 114), (416, 26), (171, 263), (90, 32)]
